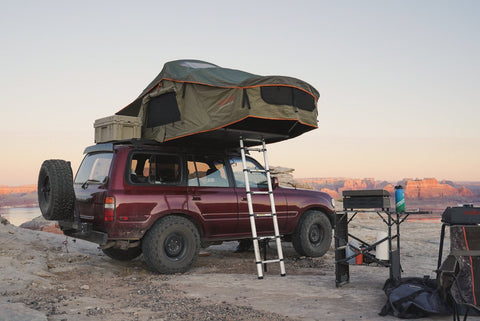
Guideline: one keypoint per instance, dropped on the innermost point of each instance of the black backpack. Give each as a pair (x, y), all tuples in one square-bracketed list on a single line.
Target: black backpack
[(410, 298)]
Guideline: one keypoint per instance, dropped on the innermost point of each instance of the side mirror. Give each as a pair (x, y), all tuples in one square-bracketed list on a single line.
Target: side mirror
[(275, 182)]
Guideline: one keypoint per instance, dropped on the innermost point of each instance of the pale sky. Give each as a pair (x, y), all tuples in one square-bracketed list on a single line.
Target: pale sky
[(398, 80)]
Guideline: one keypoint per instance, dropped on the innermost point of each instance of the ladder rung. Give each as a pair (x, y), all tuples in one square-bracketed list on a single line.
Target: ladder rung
[(269, 261), (253, 149), (260, 193), (271, 237), (263, 215), (256, 170), (256, 140)]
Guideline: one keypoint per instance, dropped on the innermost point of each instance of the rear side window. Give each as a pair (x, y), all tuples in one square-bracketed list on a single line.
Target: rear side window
[(206, 171), (94, 169), (154, 169)]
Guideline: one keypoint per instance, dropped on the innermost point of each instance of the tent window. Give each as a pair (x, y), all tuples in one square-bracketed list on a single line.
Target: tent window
[(283, 95), (162, 110)]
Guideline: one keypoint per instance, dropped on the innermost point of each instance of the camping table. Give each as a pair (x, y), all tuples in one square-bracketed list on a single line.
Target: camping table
[(370, 202)]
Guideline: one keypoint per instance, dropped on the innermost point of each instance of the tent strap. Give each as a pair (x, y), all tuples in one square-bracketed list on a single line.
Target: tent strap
[(245, 99)]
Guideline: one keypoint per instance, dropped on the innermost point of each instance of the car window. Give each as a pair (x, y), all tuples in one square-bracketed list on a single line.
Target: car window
[(155, 169), (256, 180), (207, 171), (94, 169)]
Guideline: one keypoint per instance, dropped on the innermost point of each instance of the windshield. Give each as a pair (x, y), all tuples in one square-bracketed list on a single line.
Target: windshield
[(94, 168)]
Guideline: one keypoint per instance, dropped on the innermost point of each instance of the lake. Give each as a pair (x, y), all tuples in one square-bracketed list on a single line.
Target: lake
[(19, 215)]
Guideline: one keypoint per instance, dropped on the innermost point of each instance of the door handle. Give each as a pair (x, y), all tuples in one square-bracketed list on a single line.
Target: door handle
[(196, 198)]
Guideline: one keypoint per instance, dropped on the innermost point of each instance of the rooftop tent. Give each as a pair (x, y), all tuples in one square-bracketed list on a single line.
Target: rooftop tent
[(196, 101)]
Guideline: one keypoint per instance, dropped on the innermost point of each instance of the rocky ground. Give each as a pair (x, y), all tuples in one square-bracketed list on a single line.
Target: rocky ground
[(47, 276)]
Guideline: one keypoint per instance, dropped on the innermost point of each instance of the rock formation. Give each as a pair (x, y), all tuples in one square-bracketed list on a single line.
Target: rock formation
[(331, 192), (6, 190), (415, 189), (285, 177), (430, 188)]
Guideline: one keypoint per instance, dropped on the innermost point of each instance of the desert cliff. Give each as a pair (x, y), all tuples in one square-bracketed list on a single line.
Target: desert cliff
[(6, 190), (415, 189)]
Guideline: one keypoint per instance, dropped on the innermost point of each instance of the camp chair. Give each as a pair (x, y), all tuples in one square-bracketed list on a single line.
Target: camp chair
[(459, 274)]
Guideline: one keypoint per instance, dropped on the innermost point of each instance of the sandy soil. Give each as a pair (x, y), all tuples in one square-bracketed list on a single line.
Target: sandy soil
[(46, 276)]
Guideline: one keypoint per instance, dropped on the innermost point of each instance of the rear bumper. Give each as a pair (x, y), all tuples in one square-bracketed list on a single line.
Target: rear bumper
[(83, 231)]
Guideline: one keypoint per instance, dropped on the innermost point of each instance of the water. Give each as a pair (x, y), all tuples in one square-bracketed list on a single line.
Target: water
[(19, 215)]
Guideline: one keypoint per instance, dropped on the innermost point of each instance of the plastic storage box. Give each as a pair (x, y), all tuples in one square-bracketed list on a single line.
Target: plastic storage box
[(366, 199), (117, 127)]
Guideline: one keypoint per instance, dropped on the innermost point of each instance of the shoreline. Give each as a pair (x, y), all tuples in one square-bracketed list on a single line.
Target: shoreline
[(19, 206)]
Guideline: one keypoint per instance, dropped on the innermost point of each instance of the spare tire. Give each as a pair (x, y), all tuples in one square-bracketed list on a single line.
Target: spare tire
[(56, 197)]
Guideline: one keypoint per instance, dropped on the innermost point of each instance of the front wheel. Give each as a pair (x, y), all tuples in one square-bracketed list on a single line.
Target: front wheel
[(313, 234), (171, 245)]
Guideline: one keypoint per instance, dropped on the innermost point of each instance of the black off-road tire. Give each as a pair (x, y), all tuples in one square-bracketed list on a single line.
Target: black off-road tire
[(171, 245), (56, 197), (313, 234), (123, 255)]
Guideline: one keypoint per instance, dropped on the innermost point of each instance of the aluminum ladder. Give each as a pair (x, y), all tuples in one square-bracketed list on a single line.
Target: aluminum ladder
[(273, 214)]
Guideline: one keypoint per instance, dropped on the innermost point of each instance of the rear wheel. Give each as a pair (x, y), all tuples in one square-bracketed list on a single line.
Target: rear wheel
[(171, 245), (123, 255), (313, 234), (56, 197)]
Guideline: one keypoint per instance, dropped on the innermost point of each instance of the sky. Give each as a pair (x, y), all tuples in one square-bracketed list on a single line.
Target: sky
[(398, 80)]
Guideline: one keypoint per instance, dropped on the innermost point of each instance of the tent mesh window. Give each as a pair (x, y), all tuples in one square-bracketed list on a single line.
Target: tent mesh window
[(283, 95), (162, 110)]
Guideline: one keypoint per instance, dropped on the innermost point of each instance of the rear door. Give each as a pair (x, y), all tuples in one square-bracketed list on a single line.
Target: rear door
[(261, 203), (211, 194), (91, 184)]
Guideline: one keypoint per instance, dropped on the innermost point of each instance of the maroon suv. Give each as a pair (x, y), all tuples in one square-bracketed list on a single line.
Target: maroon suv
[(167, 202)]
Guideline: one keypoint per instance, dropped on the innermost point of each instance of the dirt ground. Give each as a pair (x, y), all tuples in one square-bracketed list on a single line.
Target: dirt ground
[(46, 276)]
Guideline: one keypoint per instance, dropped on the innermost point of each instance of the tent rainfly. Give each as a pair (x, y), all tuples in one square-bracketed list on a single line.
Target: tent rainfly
[(196, 101)]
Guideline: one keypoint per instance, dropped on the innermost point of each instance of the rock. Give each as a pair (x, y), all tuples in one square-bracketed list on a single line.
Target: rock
[(41, 224), (36, 223), (52, 228), (4, 221), (19, 312), (285, 177), (85, 287)]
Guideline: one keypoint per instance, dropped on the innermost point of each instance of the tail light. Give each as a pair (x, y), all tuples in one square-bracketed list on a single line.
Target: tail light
[(109, 209)]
